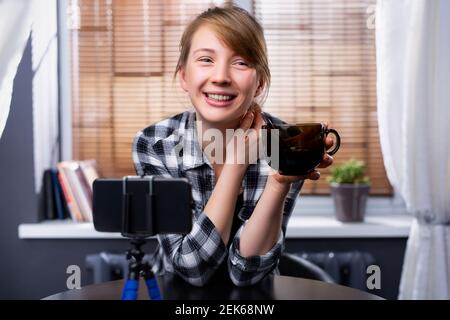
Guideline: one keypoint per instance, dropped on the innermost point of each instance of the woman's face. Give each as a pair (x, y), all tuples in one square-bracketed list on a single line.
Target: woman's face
[(220, 84)]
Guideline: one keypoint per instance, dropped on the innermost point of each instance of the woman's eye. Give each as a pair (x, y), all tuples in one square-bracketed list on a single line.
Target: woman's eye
[(205, 60), (242, 63)]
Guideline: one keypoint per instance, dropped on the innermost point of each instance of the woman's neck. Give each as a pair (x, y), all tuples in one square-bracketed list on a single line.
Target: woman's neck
[(205, 140)]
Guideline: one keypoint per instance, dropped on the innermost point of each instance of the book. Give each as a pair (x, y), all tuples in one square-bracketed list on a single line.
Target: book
[(70, 168), (50, 210), (89, 168), (71, 202), (46, 208), (57, 195), (86, 190)]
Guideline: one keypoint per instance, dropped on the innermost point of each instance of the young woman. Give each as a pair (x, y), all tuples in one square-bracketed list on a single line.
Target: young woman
[(241, 208)]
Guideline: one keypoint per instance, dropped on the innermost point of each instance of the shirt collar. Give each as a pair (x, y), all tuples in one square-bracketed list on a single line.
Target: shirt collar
[(193, 155)]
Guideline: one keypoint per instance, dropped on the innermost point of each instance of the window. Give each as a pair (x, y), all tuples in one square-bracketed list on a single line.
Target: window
[(123, 55)]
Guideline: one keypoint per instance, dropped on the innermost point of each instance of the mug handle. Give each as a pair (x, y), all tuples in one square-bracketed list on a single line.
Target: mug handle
[(338, 141)]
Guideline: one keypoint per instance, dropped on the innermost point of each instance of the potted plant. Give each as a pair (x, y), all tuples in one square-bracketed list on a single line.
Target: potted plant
[(350, 189)]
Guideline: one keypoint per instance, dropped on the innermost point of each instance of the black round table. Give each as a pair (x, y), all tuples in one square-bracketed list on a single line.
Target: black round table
[(270, 288)]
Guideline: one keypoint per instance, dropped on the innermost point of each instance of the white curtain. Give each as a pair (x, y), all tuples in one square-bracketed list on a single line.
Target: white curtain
[(15, 22), (44, 46), (413, 92)]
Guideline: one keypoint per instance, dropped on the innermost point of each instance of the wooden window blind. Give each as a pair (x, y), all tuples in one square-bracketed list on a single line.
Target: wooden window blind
[(322, 60), (124, 53)]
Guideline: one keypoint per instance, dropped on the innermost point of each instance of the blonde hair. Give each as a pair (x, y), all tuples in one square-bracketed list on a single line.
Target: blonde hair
[(240, 31)]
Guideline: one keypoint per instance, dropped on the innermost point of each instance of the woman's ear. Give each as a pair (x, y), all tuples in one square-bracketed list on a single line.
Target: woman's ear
[(182, 78), (260, 87)]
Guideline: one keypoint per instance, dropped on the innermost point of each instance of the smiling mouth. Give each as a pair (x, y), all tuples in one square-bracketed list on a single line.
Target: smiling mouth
[(219, 97), (219, 100)]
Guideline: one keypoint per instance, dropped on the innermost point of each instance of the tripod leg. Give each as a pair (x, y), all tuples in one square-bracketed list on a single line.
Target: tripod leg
[(130, 290), (153, 289), (152, 284)]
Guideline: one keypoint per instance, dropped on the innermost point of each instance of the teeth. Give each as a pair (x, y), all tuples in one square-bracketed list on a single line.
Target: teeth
[(219, 97)]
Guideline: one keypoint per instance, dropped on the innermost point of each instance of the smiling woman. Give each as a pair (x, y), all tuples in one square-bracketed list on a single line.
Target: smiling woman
[(241, 206)]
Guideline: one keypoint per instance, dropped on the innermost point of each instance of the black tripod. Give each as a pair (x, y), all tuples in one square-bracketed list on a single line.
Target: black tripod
[(136, 268)]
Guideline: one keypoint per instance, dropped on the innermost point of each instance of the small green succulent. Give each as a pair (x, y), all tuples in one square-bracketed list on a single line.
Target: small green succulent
[(350, 172)]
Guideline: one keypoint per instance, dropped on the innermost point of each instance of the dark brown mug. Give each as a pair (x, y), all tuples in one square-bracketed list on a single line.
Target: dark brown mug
[(300, 146)]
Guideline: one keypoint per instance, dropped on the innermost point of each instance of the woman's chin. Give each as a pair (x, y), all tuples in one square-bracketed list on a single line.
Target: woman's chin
[(217, 115)]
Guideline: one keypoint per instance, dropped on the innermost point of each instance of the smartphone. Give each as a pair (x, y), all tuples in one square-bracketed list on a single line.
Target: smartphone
[(142, 206)]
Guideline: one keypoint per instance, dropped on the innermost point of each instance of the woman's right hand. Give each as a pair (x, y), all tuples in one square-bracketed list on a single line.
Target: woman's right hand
[(242, 148)]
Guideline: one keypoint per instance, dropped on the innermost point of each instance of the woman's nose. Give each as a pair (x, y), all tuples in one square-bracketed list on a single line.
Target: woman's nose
[(221, 74)]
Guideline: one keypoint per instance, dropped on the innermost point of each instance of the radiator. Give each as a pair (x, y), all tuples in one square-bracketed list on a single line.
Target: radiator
[(108, 266), (346, 268)]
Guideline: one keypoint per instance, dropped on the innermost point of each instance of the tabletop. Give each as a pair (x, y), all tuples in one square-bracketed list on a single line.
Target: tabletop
[(270, 288)]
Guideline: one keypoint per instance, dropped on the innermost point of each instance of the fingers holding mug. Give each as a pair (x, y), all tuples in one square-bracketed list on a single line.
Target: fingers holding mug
[(329, 142), (326, 161)]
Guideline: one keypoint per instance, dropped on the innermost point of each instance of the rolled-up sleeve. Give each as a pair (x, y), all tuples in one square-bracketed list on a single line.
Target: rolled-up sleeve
[(246, 271), (197, 255), (249, 270)]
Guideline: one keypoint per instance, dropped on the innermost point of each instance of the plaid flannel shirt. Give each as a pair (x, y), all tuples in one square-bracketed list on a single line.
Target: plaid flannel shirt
[(170, 148)]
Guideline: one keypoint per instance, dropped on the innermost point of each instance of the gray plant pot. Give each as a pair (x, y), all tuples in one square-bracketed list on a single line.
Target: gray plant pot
[(350, 201)]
